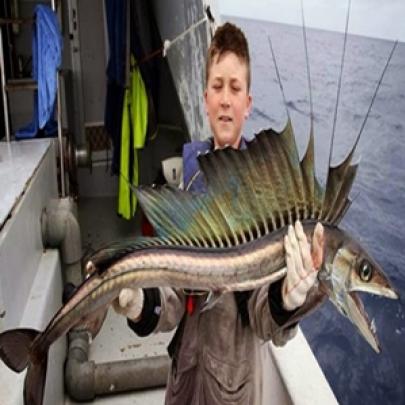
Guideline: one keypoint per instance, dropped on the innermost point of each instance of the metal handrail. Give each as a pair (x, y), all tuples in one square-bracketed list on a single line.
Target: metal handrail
[(3, 88), (6, 21)]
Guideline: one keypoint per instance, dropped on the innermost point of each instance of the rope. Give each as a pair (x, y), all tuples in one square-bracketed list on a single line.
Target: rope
[(162, 51), (167, 43)]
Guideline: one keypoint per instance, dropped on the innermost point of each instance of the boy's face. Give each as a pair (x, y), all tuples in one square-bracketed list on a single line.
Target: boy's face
[(227, 99)]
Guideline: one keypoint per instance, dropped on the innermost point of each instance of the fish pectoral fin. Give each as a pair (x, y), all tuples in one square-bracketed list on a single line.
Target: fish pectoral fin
[(212, 299)]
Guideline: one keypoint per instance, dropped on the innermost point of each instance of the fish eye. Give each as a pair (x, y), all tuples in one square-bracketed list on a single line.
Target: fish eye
[(365, 271)]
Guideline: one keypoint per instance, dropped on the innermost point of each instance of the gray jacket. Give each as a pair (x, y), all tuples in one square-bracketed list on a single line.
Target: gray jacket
[(217, 359), (218, 356)]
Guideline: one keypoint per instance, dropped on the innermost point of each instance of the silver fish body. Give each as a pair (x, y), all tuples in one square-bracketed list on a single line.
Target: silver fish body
[(250, 266)]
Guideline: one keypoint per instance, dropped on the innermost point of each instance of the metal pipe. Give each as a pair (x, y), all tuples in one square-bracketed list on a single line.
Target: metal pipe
[(85, 379), (60, 139), (60, 229), (76, 66), (129, 375), (79, 372), (82, 157), (3, 88)]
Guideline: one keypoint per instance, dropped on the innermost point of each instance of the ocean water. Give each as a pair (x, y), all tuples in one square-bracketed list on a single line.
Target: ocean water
[(377, 215)]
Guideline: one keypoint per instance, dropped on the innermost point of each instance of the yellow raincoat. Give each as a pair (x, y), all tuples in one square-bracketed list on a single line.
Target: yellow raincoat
[(134, 125)]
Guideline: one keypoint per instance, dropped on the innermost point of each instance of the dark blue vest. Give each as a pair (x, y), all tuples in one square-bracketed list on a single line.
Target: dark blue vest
[(190, 163)]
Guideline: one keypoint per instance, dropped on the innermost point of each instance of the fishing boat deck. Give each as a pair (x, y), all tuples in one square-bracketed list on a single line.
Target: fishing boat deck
[(116, 342), (33, 279)]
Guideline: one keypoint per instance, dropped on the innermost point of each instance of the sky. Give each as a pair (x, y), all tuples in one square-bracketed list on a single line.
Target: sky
[(372, 18)]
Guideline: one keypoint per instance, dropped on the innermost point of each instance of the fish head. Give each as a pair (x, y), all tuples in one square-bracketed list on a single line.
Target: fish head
[(362, 273), (348, 269)]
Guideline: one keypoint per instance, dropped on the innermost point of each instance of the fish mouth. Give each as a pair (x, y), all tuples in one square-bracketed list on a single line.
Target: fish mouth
[(383, 291), (358, 316), (355, 311)]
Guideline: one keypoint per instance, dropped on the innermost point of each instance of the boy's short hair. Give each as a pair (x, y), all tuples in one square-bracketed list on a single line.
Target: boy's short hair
[(228, 38)]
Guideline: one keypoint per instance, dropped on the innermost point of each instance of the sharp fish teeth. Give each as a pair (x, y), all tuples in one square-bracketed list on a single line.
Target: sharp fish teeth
[(373, 326)]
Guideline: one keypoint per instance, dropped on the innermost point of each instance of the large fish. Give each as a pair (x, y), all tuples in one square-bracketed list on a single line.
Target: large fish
[(228, 239)]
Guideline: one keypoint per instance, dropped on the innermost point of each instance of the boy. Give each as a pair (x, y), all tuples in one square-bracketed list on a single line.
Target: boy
[(218, 355)]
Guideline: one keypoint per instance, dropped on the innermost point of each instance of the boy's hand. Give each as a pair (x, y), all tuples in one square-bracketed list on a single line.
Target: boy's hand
[(302, 265), (129, 303)]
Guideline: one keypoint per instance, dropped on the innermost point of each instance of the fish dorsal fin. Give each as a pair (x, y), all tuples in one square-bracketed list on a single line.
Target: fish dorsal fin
[(338, 186), (261, 186), (313, 190), (250, 193)]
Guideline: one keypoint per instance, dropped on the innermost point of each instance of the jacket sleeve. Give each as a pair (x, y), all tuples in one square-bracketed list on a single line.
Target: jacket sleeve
[(270, 321), (267, 317), (162, 311)]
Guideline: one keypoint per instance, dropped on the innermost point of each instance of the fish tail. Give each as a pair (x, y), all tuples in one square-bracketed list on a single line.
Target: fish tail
[(35, 382), (16, 353), (15, 346)]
